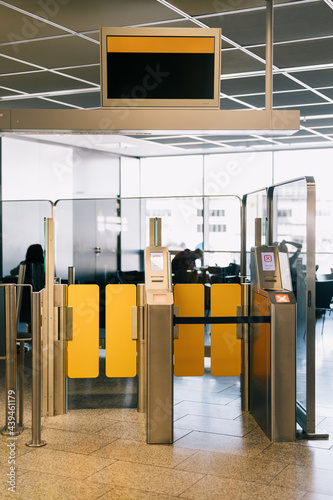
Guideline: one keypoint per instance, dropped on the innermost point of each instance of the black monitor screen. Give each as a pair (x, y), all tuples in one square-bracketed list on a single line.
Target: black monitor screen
[(160, 75)]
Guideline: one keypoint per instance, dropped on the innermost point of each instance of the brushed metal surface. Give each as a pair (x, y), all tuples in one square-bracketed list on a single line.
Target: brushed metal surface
[(211, 121), (160, 375)]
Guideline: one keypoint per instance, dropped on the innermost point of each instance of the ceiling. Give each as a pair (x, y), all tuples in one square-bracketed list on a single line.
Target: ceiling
[(49, 58)]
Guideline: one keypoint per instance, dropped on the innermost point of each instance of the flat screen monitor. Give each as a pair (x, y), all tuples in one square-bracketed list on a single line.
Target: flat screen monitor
[(160, 67)]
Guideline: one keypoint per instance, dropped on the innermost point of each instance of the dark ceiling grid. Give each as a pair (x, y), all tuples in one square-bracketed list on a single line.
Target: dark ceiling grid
[(38, 46)]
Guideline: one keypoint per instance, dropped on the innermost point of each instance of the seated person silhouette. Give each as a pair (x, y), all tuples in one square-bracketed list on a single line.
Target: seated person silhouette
[(183, 265), (34, 276)]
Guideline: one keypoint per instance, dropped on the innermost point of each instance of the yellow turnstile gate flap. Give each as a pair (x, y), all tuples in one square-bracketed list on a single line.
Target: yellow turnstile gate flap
[(83, 349), (120, 348), (189, 348), (225, 347)]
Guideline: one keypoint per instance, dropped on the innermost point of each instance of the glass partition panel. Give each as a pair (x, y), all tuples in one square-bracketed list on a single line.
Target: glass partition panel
[(255, 206), (222, 226), (182, 221), (87, 237), (292, 228), (22, 226), (105, 238)]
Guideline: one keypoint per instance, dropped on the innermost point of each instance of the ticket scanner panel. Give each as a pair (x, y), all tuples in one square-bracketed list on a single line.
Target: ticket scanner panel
[(273, 346), (159, 307)]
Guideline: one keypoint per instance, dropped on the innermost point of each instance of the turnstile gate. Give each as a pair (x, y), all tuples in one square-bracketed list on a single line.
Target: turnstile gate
[(272, 347)]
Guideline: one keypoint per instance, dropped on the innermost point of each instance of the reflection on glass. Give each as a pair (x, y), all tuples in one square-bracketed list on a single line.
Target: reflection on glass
[(103, 238), (256, 207), (22, 226), (290, 234)]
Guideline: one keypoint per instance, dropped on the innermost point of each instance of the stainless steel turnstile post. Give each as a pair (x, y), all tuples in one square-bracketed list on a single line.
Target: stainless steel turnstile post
[(160, 375), (142, 348), (36, 373), (11, 427), (159, 314), (272, 347)]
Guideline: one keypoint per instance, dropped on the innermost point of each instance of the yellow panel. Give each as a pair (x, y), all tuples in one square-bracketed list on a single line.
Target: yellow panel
[(83, 350), (160, 44), (189, 349), (225, 347), (120, 349)]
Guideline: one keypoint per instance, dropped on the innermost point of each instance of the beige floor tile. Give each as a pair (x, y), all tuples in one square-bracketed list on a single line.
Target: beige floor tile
[(317, 496), (206, 409), (232, 466), (156, 479), (205, 397), (215, 488), (257, 435), (201, 385), (134, 494), (126, 430), (293, 453), (40, 486), (215, 425), (325, 443), (226, 444), (66, 464), (136, 451), (18, 449), (4, 470), (179, 433), (306, 478), (90, 421), (75, 442)]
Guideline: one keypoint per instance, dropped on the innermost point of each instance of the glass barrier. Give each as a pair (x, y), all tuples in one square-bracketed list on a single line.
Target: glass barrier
[(104, 239), (292, 214), (254, 206), (289, 212), (22, 225)]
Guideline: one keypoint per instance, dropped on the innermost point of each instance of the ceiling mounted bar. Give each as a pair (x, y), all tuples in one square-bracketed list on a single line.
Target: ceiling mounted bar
[(150, 121), (269, 56)]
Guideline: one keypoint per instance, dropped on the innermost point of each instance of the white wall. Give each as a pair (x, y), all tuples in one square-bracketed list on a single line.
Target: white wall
[(33, 170), (95, 174)]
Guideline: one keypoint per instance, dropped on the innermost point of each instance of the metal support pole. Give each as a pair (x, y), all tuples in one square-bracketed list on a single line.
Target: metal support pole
[(11, 428), (245, 378), (155, 232), (36, 372), (60, 349), (48, 320), (269, 56), (257, 229), (142, 346), (71, 275), (21, 384), (243, 240)]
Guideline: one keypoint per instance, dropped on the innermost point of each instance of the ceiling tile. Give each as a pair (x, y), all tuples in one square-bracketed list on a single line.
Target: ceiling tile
[(236, 61), (10, 66), (17, 26), (306, 53), (83, 15), (41, 81), (52, 53)]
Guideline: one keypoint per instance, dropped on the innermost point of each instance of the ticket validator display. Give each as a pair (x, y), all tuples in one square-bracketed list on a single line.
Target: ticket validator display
[(273, 345), (159, 318)]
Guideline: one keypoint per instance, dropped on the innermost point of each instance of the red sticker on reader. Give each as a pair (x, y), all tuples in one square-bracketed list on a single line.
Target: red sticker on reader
[(282, 298)]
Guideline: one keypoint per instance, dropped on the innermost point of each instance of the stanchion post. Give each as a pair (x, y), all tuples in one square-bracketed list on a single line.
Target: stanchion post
[(245, 377), (142, 369), (71, 275), (11, 428), (36, 373)]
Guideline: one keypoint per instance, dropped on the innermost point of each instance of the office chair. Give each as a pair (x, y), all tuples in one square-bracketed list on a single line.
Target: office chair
[(324, 294)]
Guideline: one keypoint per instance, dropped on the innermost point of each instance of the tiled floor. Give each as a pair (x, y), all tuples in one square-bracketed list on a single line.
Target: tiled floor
[(98, 449)]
